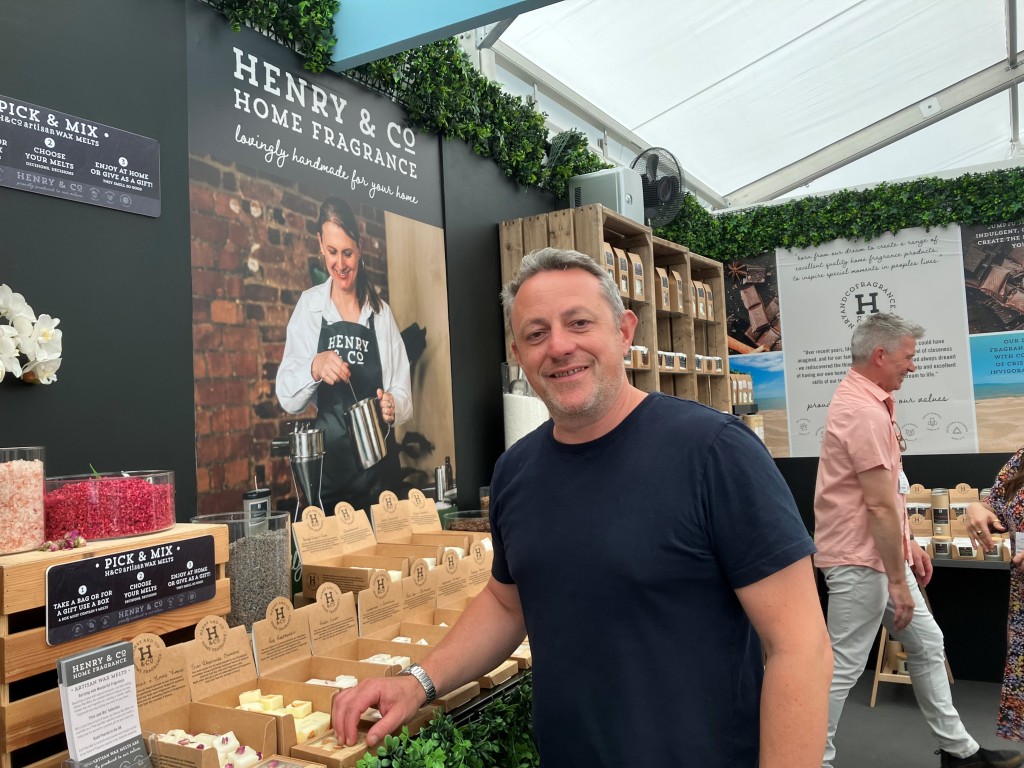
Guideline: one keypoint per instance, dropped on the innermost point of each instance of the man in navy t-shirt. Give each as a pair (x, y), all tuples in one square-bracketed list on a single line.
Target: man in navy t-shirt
[(651, 550)]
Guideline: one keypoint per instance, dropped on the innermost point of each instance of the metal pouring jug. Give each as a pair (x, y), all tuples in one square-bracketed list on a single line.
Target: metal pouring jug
[(364, 418)]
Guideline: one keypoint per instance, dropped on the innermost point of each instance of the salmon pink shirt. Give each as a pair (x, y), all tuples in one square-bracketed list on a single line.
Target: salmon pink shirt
[(860, 434)]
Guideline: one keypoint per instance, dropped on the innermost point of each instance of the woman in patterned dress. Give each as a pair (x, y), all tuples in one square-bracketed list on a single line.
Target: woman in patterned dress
[(1003, 512)]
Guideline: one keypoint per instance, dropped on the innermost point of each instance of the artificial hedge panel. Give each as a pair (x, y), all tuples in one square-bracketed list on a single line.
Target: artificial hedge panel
[(975, 199)]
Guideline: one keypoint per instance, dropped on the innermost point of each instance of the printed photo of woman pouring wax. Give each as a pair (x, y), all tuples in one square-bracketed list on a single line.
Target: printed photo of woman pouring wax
[(348, 365)]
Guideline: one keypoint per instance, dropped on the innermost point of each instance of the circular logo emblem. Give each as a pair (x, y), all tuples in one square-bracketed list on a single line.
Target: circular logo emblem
[(280, 613), (148, 650), (212, 633), (419, 573), (381, 584), (863, 298), (313, 517), (329, 597), (416, 497), (345, 511), (450, 560)]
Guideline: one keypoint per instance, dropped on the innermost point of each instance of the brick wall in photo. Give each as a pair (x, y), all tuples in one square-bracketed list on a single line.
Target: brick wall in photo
[(253, 241)]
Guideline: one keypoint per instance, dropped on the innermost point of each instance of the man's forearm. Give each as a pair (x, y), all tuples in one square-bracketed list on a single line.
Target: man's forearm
[(484, 636), (794, 707), (888, 537)]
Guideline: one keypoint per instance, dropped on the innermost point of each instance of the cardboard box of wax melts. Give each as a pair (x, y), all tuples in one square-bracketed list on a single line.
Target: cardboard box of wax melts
[(280, 761), (382, 606), (342, 549), (221, 671), (333, 754), (165, 704), (423, 632), (415, 520), (283, 642)]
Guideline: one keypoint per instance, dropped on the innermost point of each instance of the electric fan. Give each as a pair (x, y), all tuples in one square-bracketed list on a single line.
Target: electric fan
[(663, 183)]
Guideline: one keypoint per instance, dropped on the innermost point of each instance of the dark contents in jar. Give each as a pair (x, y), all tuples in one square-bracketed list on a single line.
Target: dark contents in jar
[(476, 524)]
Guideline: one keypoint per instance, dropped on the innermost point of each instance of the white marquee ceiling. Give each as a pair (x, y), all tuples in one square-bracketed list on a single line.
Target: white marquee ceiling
[(763, 98)]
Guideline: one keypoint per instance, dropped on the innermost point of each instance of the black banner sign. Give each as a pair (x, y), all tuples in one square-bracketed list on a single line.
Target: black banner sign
[(89, 596), (56, 154)]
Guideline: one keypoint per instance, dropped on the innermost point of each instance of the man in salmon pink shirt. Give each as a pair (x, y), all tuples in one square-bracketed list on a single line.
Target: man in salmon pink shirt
[(872, 566)]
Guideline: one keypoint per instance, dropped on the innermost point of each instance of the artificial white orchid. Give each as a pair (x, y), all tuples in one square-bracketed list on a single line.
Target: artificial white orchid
[(42, 371), (30, 347)]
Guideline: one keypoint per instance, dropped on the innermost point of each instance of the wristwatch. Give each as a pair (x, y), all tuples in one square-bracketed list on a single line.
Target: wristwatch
[(415, 670)]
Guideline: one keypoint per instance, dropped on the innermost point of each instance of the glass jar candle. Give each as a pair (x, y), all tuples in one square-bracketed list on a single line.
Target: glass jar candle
[(22, 486)]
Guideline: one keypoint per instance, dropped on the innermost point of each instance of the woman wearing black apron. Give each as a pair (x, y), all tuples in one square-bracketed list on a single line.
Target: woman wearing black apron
[(343, 345)]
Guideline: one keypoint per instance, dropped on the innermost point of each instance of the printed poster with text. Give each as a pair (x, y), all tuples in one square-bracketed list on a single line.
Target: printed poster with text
[(994, 290), (825, 291)]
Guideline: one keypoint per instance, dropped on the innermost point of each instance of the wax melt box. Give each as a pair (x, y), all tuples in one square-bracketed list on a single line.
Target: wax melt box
[(415, 633), (415, 520), (164, 702), (341, 549), (221, 667), (364, 648), (329, 751), (284, 641)]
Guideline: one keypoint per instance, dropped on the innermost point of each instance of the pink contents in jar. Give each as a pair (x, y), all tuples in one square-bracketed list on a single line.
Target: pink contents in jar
[(21, 505), (108, 506)]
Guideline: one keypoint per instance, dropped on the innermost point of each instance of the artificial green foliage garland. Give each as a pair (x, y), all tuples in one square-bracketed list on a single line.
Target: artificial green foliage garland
[(306, 26), (974, 199), (443, 93)]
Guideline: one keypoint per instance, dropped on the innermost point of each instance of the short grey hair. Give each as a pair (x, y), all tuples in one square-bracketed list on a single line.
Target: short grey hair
[(560, 259), (881, 329)]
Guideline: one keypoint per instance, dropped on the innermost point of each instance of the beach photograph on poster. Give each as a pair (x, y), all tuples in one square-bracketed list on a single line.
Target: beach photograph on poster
[(997, 366), (767, 371)]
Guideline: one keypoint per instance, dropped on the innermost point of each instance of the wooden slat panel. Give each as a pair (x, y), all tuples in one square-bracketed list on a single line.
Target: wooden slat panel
[(23, 575), (54, 761), (535, 232), (33, 719), (510, 241), (587, 231), (560, 229), (26, 653)]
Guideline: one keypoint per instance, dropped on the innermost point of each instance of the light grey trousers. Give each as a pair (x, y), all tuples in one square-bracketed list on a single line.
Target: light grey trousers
[(858, 602)]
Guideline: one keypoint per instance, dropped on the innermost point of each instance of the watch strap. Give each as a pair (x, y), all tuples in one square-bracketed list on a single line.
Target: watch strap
[(415, 670)]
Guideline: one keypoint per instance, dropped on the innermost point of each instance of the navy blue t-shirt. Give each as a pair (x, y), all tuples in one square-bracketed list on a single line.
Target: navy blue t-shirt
[(627, 552)]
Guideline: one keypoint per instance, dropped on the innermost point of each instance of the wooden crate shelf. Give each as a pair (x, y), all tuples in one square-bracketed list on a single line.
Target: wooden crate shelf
[(585, 229), (30, 711)]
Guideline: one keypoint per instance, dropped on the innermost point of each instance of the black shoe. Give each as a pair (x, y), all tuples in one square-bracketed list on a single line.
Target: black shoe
[(983, 758)]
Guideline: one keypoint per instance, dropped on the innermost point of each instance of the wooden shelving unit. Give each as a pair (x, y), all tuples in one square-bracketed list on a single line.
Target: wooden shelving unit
[(31, 722), (586, 229)]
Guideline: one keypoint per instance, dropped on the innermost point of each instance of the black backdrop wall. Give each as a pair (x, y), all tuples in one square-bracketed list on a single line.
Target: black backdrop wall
[(120, 283)]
